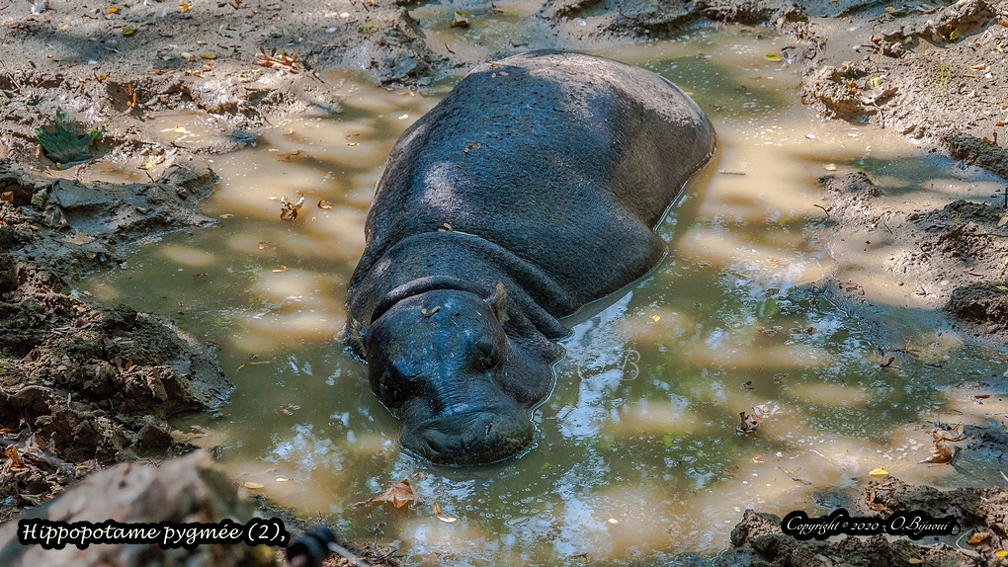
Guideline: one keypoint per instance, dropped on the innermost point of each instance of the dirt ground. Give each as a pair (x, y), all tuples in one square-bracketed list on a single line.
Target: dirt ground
[(84, 385)]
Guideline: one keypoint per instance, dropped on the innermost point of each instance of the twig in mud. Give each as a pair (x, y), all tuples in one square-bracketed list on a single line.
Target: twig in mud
[(824, 209)]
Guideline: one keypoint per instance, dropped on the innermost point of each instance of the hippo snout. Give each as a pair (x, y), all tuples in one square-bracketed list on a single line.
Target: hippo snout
[(474, 438)]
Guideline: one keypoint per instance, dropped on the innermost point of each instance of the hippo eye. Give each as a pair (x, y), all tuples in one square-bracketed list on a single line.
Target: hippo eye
[(487, 353), (393, 388)]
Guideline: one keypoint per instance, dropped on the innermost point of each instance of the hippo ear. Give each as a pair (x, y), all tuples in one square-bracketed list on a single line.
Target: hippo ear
[(356, 335), (498, 302)]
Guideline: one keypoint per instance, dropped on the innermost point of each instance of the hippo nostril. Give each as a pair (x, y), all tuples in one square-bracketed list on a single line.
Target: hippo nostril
[(471, 438)]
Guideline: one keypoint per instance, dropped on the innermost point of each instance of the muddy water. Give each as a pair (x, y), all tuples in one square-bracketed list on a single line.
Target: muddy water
[(637, 454)]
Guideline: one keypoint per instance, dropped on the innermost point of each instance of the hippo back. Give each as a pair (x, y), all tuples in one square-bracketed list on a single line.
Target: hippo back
[(547, 171)]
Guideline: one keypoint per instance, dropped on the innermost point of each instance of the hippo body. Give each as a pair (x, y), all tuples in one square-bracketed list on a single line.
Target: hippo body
[(532, 189)]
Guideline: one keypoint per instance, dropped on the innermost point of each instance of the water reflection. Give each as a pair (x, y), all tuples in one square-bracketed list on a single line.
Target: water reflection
[(637, 455)]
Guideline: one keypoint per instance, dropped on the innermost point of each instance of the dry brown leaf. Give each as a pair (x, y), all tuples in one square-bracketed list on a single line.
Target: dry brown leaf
[(288, 156), (442, 516), (749, 423), (288, 210), (460, 21), (978, 537), (12, 454), (941, 453), (398, 495), (274, 61)]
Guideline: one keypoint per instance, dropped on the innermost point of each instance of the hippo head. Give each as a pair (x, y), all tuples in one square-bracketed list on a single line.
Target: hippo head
[(463, 389)]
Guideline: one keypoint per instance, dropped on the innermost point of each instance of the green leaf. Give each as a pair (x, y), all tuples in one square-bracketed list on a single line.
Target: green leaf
[(61, 141), (767, 309)]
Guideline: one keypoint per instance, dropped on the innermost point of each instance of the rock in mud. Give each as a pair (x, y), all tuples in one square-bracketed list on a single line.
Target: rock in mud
[(656, 15), (758, 541), (832, 88), (979, 152), (183, 490), (857, 182), (389, 46), (983, 303)]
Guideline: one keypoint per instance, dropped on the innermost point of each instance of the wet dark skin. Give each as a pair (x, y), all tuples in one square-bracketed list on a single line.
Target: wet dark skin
[(532, 189)]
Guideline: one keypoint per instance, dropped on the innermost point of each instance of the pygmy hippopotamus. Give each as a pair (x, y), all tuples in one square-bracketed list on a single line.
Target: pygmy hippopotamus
[(532, 189)]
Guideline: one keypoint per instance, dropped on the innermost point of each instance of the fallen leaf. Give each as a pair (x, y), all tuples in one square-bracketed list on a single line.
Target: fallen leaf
[(12, 454), (956, 34), (879, 472), (210, 56), (442, 516), (128, 31), (280, 270), (289, 211), (62, 141), (398, 495), (112, 10), (185, 6), (914, 561), (7, 196), (772, 57), (1001, 553), (403, 116), (226, 216), (655, 318), (830, 167), (288, 156), (280, 62), (253, 485), (749, 423), (978, 537), (941, 453), (460, 21)]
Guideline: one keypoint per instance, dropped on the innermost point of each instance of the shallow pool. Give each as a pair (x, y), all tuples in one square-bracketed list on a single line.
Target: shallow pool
[(637, 456)]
